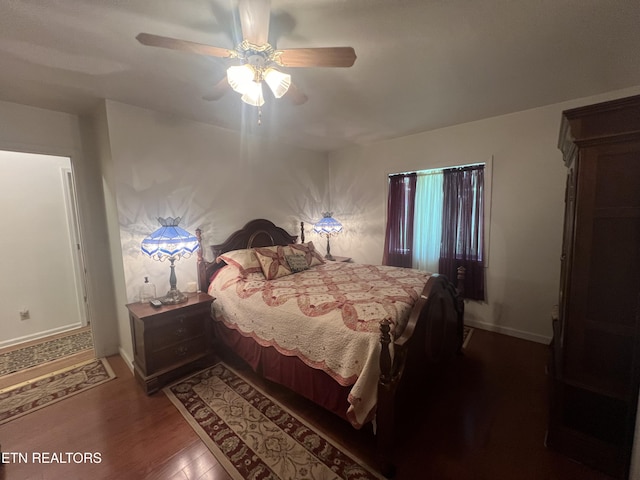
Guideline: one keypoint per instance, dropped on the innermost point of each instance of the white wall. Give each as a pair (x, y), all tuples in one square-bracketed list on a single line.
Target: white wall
[(214, 179), (527, 206), (95, 133), (35, 130), (37, 249)]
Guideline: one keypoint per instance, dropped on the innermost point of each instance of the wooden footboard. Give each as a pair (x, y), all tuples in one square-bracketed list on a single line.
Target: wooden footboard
[(433, 334)]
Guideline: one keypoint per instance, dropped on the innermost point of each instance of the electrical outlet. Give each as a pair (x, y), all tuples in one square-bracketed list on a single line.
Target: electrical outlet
[(24, 314)]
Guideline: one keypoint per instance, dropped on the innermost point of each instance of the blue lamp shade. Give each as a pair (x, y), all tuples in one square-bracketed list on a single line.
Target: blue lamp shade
[(328, 227), (170, 242)]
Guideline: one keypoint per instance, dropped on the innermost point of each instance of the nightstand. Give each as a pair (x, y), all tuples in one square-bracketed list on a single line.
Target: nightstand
[(339, 259), (171, 340)]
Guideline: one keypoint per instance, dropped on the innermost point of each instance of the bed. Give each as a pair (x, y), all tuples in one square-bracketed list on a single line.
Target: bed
[(344, 335)]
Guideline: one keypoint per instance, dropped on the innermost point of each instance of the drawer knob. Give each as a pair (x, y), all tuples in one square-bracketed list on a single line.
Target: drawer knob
[(180, 332), (182, 350)]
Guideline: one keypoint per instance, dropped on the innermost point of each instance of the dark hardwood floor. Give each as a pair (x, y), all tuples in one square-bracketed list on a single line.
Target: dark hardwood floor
[(485, 420)]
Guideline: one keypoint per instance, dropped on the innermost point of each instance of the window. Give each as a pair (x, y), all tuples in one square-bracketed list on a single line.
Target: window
[(427, 228), (438, 224)]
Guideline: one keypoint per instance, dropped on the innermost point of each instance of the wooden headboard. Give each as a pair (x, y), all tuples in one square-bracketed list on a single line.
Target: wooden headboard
[(256, 233)]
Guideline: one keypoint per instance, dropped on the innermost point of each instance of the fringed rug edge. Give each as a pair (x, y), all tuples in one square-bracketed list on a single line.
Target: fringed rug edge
[(105, 364)]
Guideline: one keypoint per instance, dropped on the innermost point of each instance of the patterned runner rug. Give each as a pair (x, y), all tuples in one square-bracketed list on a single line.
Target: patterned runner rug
[(32, 395), (253, 436), (33, 355)]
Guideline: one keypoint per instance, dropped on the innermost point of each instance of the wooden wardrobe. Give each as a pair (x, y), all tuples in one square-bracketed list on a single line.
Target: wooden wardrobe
[(595, 350)]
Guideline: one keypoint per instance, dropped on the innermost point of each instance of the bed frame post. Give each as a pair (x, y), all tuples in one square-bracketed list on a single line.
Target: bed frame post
[(385, 418), (461, 274), (460, 305)]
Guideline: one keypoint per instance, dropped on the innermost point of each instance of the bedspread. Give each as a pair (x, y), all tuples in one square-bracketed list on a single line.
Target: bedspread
[(328, 316)]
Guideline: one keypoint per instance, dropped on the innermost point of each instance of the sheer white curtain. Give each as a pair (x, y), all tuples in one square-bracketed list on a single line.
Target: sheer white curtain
[(427, 221)]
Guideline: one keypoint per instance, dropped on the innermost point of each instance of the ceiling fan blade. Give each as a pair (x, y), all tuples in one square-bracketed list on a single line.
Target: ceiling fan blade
[(295, 95), (152, 40), (317, 57), (218, 90), (254, 20)]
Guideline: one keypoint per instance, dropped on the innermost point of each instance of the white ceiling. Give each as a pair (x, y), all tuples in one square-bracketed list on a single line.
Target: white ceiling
[(422, 64)]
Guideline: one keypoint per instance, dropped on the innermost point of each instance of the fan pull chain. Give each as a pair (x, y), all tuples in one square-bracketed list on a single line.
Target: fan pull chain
[(259, 116)]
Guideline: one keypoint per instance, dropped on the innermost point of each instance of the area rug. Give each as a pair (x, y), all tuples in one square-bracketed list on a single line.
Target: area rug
[(22, 358), (254, 437), (40, 392), (466, 336)]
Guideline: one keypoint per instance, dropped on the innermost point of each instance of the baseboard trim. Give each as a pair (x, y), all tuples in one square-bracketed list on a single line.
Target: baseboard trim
[(512, 332), (126, 358), (39, 335)]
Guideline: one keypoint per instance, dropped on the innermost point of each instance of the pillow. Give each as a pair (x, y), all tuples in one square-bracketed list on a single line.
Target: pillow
[(245, 260), (273, 262), (308, 250), (297, 263)]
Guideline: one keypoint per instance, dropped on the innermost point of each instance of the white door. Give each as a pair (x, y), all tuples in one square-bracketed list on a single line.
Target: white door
[(76, 244)]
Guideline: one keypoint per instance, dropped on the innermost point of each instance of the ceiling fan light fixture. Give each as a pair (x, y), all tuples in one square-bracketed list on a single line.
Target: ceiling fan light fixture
[(258, 57), (278, 82), (253, 94), (240, 77)]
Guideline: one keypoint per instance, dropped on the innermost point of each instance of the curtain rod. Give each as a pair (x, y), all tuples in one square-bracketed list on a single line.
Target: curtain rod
[(432, 170)]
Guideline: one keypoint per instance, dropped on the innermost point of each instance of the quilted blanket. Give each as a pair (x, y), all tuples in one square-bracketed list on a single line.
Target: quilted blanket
[(328, 316)]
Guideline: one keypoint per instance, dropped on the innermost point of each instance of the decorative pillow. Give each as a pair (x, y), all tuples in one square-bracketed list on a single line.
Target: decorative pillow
[(245, 260), (297, 263), (273, 262), (308, 250)]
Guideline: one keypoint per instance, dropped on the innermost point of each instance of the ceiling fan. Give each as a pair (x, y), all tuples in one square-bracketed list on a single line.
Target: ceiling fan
[(259, 61)]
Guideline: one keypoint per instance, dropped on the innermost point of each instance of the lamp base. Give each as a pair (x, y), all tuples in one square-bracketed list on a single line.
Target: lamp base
[(174, 297), (328, 256)]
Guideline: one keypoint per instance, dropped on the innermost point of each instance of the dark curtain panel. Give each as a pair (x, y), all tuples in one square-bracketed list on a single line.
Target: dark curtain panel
[(398, 240), (463, 228)]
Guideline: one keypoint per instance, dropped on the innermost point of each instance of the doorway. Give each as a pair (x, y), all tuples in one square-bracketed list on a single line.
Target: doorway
[(44, 290)]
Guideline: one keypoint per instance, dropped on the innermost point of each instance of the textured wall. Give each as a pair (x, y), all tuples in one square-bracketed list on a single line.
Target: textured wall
[(527, 208), (214, 179), (36, 130)]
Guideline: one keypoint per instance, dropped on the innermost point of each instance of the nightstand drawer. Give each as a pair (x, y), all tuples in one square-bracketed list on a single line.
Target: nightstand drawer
[(175, 330), (184, 351)]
